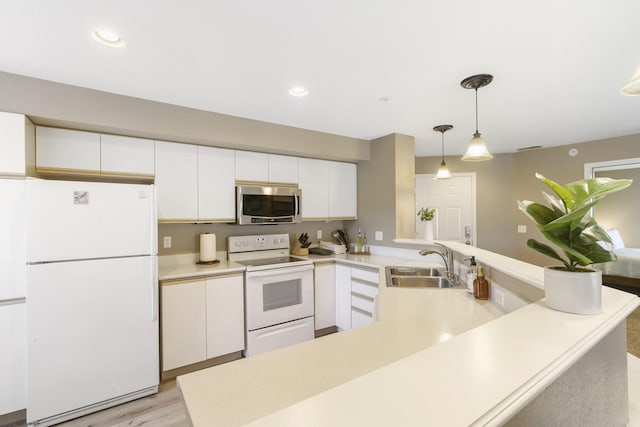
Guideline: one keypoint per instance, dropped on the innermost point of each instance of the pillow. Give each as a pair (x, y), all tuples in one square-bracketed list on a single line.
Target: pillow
[(615, 238)]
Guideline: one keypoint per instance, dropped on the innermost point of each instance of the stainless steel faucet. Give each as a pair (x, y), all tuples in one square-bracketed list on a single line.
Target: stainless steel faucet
[(447, 258)]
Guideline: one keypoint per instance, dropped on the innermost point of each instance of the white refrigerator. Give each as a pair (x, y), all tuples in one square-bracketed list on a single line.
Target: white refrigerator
[(92, 297)]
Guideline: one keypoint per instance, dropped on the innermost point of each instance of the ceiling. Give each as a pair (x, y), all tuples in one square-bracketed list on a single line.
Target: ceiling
[(558, 66)]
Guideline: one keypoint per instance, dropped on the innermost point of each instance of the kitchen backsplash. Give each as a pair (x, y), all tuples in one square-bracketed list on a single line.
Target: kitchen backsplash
[(185, 238)]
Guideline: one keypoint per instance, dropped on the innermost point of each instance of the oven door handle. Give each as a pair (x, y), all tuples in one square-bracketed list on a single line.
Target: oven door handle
[(278, 271)]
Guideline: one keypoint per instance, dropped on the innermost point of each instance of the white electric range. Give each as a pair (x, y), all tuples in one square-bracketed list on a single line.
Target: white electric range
[(279, 305)]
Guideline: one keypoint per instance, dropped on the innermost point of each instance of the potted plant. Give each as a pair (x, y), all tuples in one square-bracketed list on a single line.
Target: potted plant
[(567, 224), (426, 215)]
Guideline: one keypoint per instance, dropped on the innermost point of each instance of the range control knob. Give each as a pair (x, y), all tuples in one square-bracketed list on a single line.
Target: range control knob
[(245, 243)]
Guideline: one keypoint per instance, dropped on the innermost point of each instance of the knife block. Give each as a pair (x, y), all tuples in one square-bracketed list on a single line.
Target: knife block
[(297, 249)]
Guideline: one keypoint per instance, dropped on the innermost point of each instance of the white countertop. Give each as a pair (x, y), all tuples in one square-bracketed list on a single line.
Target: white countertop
[(435, 357), (184, 266)]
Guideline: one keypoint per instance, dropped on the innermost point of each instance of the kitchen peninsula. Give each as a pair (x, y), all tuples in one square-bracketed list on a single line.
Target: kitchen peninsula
[(434, 357)]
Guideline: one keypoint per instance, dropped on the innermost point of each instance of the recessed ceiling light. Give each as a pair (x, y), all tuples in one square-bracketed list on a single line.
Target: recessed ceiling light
[(298, 91), (108, 38)]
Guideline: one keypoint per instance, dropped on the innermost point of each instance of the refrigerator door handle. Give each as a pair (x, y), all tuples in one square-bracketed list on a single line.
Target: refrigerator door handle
[(154, 288)]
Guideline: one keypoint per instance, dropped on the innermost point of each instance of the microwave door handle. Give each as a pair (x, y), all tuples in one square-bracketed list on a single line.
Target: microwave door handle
[(297, 198)]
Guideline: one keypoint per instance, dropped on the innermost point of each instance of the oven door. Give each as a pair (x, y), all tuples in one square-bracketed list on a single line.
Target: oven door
[(278, 295)]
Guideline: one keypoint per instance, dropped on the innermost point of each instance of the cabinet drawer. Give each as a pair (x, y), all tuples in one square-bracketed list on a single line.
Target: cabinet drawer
[(363, 288), (359, 318), (366, 275), (363, 303)]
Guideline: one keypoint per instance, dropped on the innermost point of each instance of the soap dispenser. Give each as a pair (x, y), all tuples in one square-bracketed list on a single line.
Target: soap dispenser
[(471, 273), (481, 286)]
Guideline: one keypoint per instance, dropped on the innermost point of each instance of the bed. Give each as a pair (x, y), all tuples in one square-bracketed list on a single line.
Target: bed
[(624, 273)]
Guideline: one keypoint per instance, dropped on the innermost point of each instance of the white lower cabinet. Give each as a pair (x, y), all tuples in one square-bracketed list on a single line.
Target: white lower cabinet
[(356, 296), (325, 295), (184, 334), (13, 357), (225, 315), (343, 296), (202, 318)]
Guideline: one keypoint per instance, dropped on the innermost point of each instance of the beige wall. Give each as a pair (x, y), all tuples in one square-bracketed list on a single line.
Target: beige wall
[(185, 238), (386, 200), (60, 105), (493, 197), (556, 164), (511, 177)]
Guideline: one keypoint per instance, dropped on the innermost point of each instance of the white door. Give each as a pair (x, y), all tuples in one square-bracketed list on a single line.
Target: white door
[(455, 203)]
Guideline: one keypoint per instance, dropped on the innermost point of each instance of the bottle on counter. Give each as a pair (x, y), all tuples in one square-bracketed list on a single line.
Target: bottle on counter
[(359, 241), (365, 245), (481, 285), (471, 274)]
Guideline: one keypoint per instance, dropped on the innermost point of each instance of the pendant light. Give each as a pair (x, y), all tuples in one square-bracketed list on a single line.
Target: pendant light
[(477, 150), (633, 87), (443, 170)]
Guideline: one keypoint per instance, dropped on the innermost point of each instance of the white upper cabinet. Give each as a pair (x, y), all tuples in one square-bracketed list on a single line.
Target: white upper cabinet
[(313, 177), (252, 167), (283, 169), (67, 151), (343, 190), (13, 138), (216, 184), (126, 156), (177, 181)]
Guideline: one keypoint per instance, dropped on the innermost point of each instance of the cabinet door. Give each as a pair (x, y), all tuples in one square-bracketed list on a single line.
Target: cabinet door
[(343, 190), (325, 295), (314, 182), (343, 297), (225, 315), (216, 184), (283, 169), (184, 339), (12, 244), (13, 357), (67, 151), (12, 141), (252, 167), (126, 156), (177, 182)]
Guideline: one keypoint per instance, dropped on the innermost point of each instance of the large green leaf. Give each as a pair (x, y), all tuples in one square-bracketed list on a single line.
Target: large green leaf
[(555, 203), (546, 250), (595, 188), (540, 214), (565, 195)]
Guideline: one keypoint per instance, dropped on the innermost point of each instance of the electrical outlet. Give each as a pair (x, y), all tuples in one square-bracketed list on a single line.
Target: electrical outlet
[(522, 229), (319, 234), (498, 297), (166, 242), (378, 235)]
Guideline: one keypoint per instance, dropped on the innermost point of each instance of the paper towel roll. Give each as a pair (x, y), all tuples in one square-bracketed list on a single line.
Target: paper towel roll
[(207, 247)]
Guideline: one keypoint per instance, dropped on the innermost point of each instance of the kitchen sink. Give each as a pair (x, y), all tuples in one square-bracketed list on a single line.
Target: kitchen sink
[(412, 271), (421, 282), (415, 277)]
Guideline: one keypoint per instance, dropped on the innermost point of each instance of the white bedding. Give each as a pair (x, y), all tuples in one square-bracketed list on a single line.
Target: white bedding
[(627, 264)]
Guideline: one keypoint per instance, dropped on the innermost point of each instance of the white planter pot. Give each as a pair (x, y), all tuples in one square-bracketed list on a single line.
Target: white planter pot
[(573, 292), (428, 230)]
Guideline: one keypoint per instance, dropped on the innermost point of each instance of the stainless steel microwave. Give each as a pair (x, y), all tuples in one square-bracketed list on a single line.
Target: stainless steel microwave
[(267, 205)]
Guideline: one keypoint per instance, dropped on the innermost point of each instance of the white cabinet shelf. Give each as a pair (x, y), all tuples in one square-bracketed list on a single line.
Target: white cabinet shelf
[(63, 151), (225, 315), (177, 182), (216, 184), (16, 138), (325, 295), (184, 339), (202, 318), (124, 156)]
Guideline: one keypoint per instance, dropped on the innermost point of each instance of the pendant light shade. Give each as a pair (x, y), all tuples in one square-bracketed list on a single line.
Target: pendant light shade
[(477, 150), (633, 87), (443, 170)]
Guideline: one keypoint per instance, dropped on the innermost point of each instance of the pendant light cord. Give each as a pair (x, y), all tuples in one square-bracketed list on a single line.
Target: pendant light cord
[(442, 147), (476, 110)]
